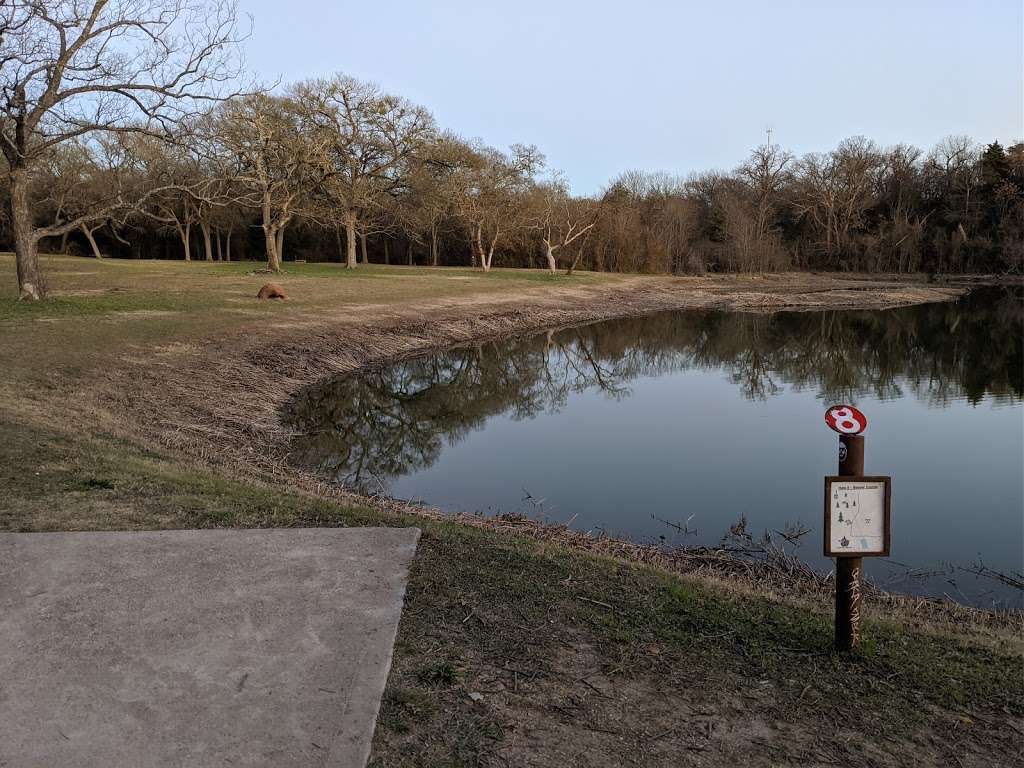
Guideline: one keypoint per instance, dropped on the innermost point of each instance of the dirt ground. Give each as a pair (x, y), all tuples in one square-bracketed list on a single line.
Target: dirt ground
[(149, 395)]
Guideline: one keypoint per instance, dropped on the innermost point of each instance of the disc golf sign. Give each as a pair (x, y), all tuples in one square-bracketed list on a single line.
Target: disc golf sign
[(857, 520), (846, 420), (857, 515)]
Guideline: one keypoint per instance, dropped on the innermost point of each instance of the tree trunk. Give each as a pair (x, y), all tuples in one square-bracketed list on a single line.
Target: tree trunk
[(64, 243), (408, 252), (479, 251), (487, 258), (576, 261), (92, 241), (350, 241), (549, 252), (280, 245), (30, 279), (433, 245), (269, 235), (207, 243), (337, 242), (273, 258), (220, 247), (387, 251), (362, 249), (186, 240), (227, 245)]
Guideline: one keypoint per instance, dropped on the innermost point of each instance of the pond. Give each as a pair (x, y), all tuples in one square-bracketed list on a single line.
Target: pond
[(671, 428)]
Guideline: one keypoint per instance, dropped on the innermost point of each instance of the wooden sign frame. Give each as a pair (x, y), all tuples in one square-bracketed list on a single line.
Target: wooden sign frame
[(886, 512)]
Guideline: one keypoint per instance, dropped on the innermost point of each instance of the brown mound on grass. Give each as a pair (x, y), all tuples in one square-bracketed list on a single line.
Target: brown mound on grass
[(271, 291)]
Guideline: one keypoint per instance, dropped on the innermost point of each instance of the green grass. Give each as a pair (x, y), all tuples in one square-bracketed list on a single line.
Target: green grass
[(99, 309), (440, 673), (338, 271), (100, 484), (104, 304)]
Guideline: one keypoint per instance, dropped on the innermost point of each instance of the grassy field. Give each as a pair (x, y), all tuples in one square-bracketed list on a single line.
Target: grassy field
[(99, 308), (573, 658)]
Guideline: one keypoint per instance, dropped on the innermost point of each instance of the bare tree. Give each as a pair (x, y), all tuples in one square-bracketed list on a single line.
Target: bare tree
[(766, 173), (560, 218), (89, 182), (647, 223), (67, 178), (169, 165), (367, 141), (84, 68), (954, 161), (277, 162), (493, 187), (433, 187), (835, 190), (900, 230)]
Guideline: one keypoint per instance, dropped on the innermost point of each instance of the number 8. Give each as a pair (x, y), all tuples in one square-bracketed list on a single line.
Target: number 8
[(846, 421)]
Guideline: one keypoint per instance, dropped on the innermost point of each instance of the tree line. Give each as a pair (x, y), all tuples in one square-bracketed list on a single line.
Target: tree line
[(128, 129)]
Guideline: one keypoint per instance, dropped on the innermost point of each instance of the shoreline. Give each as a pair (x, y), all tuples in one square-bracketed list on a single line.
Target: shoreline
[(778, 577), (259, 380), (265, 373)]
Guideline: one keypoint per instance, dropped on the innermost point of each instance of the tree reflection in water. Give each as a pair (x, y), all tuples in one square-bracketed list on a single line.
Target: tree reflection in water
[(365, 430)]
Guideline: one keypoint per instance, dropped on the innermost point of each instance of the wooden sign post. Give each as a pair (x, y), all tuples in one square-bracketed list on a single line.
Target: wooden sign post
[(857, 521)]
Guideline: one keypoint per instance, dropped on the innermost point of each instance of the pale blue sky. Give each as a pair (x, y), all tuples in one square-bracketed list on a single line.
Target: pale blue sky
[(605, 87)]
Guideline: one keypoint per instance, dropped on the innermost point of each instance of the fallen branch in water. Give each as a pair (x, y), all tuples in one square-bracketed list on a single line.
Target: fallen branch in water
[(1013, 579)]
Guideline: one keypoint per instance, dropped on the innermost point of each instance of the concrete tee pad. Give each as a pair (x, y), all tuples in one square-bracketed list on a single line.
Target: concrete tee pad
[(197, 648)]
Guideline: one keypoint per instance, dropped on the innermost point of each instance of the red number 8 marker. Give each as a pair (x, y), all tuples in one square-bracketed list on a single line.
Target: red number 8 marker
[(846, 419)]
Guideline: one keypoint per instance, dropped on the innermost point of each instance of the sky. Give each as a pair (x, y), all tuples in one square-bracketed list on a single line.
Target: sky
[(602, 87)]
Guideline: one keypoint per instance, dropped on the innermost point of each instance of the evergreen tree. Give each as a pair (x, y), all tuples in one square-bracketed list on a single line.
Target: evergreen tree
[(995, 167)]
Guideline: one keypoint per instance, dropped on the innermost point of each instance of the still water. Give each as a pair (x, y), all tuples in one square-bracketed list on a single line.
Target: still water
[(702, 418)]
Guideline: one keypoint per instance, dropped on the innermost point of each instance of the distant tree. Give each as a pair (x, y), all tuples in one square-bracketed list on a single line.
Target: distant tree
[(766, 173), (834, 191), (995, 166), (433, 187), (896, 241), (560, 219), (953, 164), (492, 204), (368, 141), (170, 166), (277, 162)]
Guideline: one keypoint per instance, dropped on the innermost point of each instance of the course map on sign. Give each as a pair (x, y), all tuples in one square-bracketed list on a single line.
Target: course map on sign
[(857, 510)]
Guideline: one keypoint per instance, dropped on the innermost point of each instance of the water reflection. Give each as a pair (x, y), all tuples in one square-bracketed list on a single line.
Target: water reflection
[(369, 429)]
